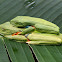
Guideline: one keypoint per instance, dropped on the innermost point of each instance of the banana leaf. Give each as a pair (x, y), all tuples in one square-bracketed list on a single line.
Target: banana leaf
[(50, 10), (3, 52)]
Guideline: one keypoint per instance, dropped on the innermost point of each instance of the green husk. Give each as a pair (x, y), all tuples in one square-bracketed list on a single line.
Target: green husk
[(7, 28), (27, 30), (30, 20), (16, 37), (44, 42), (44, 28), (40, 24), (44, 37)]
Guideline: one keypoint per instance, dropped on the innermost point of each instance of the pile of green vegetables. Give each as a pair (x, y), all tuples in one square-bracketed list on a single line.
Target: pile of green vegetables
[(31, 30)]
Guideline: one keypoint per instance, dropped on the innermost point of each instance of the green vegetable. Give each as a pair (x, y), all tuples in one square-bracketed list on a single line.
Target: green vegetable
[(45, 39), (17, 37), (40, 24), (6, 28), (27, 30), (43, 43), (46, 29), (41, 31)]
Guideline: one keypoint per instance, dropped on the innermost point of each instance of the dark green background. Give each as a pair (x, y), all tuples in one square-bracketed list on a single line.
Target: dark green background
[(50, 10)]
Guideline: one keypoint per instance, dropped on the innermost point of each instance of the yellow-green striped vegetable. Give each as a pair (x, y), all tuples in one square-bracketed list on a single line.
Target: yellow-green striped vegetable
[(7, 28), (41, 25), (28, 30), (43, 43), (17, 37), (43, 39), (41, 31)]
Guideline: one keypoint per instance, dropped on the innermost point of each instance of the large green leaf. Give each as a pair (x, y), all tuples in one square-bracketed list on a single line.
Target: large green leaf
[(3, 53), (48, 53), (18, 52), (50, 10)]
